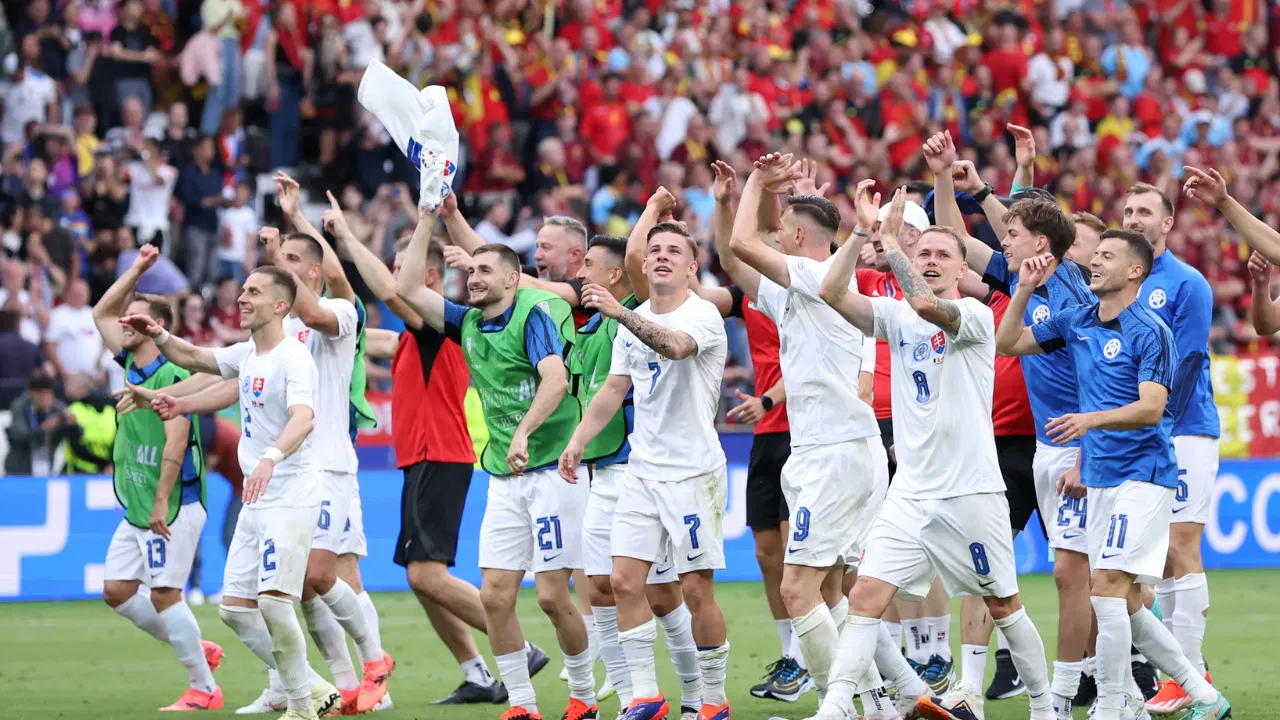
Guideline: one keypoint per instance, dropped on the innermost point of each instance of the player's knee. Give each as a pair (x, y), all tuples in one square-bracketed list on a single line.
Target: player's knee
[(116, 594), (426, 578), (624, 585), (1068, 578), (600, 590), (699, 592), (768, 553), (497, 600), (664, 599), (795, 593), (555, 601), (1001, 608), (320, 578)]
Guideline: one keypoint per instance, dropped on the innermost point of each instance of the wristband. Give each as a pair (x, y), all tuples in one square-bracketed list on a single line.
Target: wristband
[(162, 338), (274, 455), (983, 194), (766, 402), (859, 233)]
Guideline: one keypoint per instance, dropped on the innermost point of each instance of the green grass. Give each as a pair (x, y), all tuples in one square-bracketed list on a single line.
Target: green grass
[(81, 660)]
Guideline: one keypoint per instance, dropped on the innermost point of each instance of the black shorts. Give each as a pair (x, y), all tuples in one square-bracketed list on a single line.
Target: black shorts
[(1015, 454), (431, 505), (886, 437), (766, 504)]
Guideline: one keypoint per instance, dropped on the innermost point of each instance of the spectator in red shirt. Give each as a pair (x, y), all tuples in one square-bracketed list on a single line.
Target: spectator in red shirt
[(577, 156), (607, 125), (497, 169)]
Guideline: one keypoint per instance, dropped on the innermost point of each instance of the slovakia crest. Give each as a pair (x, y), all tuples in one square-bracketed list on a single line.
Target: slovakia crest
[(258, 384)]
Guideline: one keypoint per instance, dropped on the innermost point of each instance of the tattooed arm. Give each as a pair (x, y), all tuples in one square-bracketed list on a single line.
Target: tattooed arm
[(943, 313), (673, 344)]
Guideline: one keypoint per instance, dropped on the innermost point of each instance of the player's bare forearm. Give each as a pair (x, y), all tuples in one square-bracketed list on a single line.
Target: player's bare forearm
[(668, 343), (379, 279), (637, 247), (852, 306), (335, 278), (1265, 311), (1255, 233), (994, 210), (194, 384), (769, 214), (552, 385), (176, 432), (1013, 339), (307, 305), (301, 422), (189, 357), (212, 399), (978, 255), (563, 290), (461, 233), (744, 276), (106, 313), (411, 285), (380, 344), (1023, 176), (747, 247), (718, 296), (777, 393), (1146, 411), (603, 407)]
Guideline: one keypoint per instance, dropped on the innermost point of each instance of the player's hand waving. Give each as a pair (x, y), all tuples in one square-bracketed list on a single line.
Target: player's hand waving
[(147, 256), (776, 172), (288, 193), (142, 324), (518, 453), (1207, 187), (1260, 269), (1024, 145), (866, 205), (891, 228), (726, 181), (570, 460), (1069, 427), (807, 183), (1034, 270), (597, 298), (750, 411), (167, 406), (939, 152), (256, 484), (333, 221), (160, 511), (1069, 484)]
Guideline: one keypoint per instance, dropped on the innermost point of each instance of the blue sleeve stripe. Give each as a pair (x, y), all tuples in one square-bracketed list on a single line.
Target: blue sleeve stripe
[(540, 337)]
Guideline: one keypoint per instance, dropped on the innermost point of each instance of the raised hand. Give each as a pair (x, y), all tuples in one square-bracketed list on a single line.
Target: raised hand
[(456, 257), (333, 220), (1024, 145), (663, 201), (142, 324), (597, 298), (726, 181), (892, 225), (132, 397), (270, 239), (866, 205), (167, 406), (965, 177), (1260, 269), (1034, 270), (776, 172), (147, 256), (807, 183), (1207, 187), (939, 152), (288, 193)]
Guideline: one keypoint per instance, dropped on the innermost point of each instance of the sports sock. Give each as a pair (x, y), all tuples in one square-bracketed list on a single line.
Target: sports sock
[(1191, 604), (637, 647), (1112, 661), (939, 633), (476, 671), (895, 633), (346, 608), (784, 634), (371, 618), (251, 628), (1167, 595), (582, 682), (615, 664), (593, 639), (849, 668), (1027, 650), (331, 640), (289, 648), (891, 663), (818, 640), (677, 625), (1002, 642), (919, 640), (142, 613), (797, 653), (840, 613), (1159, 644), (714, 662), (184, 636), (973, 666), (513, 671), (1066, 682)]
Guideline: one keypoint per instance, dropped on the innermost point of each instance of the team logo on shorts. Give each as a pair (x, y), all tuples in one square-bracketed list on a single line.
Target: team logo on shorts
[(1111, 349), (920, 352), (1157, 299), (1040, 314), (258, 383)]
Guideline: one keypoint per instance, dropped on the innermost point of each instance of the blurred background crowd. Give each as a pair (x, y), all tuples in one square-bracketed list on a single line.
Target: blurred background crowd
[(160, 121)]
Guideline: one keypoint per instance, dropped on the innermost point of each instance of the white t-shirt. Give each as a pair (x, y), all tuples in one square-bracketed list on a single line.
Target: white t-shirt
[(1050, 79), (149, 195), (75, 338), (242, 223), (942, 386), (675, 400), (820, 354), (335, 356), (25, 102), (28, 329), (270, 384)]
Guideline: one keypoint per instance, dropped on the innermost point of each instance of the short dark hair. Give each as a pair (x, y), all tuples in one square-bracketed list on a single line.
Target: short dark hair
[(673, 227), (614, 245), (1089, 220), (158, 309), (435, 256), (820, 210), (1144, 188), (313, 245), (506, 256), (282, 279), (42, 381), (964, 252), (1138, 245), (919, 187), (10, 320), (1045, 217)]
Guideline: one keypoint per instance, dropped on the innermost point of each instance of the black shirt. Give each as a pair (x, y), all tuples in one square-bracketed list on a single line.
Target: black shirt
[(137, 40)]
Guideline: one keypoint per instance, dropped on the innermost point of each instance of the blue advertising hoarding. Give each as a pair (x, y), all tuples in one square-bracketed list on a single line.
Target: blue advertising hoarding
[(54, 532)]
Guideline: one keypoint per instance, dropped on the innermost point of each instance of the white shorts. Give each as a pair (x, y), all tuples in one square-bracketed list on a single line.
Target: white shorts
[(533, 522), (1197, 472), (963, 540), (834, 493), (353, 541), (269, 551), (336, 490), (597, 526), (138, 554), (1129, 529), (1064, 517), (686, 516)]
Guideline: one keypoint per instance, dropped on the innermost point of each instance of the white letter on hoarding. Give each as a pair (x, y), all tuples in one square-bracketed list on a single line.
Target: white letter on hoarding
[(1231, 542), (1268, 540), (35, 540)]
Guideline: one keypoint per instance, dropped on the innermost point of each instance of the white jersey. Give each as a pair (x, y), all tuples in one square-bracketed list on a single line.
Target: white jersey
[(270, 384), (942, 385), (820, 354), (675, 400), (335, 357)]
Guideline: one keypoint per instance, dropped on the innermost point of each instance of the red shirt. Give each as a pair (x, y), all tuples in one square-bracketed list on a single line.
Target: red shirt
[(605, 126), (429, 382), (229, 318), (763, 344), (1010, 408), (874, 283), (1008, 66)]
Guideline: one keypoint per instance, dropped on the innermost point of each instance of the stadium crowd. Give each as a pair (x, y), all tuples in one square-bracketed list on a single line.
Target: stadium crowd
[(161, 121)]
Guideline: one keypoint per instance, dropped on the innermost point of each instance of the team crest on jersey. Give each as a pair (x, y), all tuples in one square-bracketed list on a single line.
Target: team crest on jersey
[(920, 352), (303, 335), (244, 387), (1040, 314), (1112, 348), (1157, 299), (258, 384)]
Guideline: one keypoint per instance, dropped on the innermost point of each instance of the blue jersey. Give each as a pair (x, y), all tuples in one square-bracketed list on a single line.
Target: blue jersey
[(628, 404), (1111, 358), (1050, 378), (1180, 296)]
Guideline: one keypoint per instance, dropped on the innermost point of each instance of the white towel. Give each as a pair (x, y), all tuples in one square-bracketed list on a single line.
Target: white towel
[(420, 124)]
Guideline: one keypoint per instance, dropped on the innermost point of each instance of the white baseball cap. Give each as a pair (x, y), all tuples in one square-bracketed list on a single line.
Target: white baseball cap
[(912, 214)]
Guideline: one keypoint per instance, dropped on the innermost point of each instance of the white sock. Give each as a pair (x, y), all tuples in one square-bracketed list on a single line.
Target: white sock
[(476, 671), (184, 636), (143, 614), (919, 640), (331, 640), (1111, 663), (251, 628), (840, 613), (849, 668), (593, 639), (289, 648), (797, 653), (973, 666), (714, 662), (677, 625), (1027, 650), (784, 634), (1066, 682), (891, 663), (1002, 642), (818, 640), (615, 663), (582, 682), (1159, 644), (1192, 603), (939, 632), (513, 671), (1167, 595), (895, 633), (313, 677), (372, 620), (342, 600), (637, 647)]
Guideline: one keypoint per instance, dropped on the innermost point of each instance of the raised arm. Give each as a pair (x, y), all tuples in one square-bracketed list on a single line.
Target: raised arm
[(178, 351), (723, 220), (210, 400), (133, 396), (372, 270), (852, 306), (940, 154), (1024, 154), (674, 344), (660, 204), (411, 286), (290, 204), (939, 311), (1013, 339), (106, 314), (603, 407), (1209, 187), (460, 231), (772, 171)]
